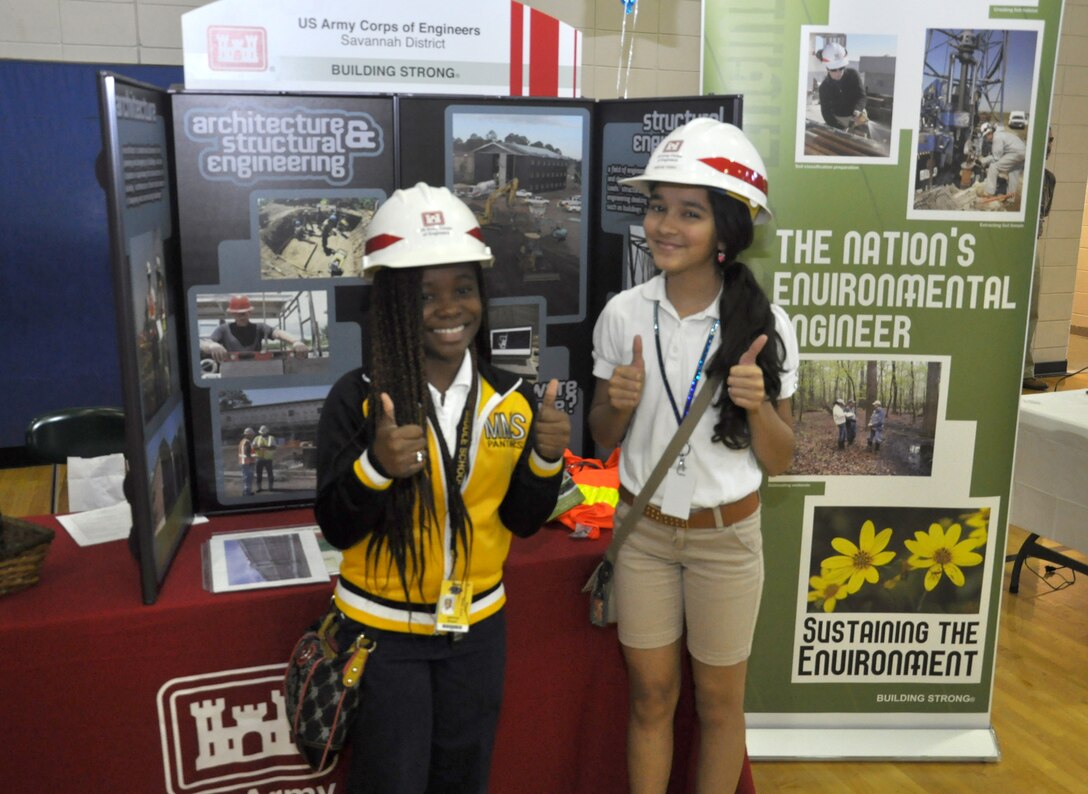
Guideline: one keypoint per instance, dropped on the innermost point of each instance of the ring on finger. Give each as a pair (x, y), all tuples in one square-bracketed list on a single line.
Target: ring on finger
[(419, 456)]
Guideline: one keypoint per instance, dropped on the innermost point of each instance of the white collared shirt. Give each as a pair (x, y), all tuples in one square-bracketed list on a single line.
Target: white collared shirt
[(448, 407), (723, 475)]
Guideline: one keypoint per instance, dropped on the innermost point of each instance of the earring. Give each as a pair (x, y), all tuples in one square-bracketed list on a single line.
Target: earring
[(721, 257)]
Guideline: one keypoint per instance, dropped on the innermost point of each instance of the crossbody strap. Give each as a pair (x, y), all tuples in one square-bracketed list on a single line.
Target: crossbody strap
[(683, 433)]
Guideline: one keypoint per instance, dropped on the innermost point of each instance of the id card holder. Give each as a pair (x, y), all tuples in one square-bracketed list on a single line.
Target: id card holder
[(453, 603), (679, 490)]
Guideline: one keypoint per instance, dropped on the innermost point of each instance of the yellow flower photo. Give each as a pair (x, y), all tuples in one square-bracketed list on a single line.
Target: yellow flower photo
[(942, 553)]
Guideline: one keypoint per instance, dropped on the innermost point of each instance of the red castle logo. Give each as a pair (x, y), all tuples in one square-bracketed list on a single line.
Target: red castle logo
[(237, 49)]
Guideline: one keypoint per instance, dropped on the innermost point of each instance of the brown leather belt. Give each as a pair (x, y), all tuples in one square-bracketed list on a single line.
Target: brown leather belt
[(701, 519)]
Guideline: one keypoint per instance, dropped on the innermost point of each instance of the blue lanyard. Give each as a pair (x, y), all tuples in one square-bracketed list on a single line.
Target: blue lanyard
[(698, 369)]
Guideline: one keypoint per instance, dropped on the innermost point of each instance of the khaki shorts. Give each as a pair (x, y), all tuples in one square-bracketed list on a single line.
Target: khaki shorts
[(712, 579)]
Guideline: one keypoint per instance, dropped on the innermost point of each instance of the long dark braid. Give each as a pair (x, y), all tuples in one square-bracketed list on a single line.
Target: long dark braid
[(745, 314), (397, 368)]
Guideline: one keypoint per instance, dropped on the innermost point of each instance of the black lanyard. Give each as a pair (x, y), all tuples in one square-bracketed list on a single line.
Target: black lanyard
[(457, 472), (698, 369)]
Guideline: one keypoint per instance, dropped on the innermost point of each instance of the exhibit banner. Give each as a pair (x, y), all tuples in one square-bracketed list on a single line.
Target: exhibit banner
[(488, 47), (904, 145), (274, 197), (143, 249)]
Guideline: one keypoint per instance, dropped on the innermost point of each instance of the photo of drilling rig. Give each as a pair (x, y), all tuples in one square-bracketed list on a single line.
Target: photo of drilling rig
[(974, 119)]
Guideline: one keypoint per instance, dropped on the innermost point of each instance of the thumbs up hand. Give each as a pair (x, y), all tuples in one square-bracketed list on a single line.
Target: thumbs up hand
[(552, 426), (625, 385), (745, 381), (400, 450)]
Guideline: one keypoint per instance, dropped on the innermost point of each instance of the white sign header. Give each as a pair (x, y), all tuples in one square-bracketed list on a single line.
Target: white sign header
[(488, 47)]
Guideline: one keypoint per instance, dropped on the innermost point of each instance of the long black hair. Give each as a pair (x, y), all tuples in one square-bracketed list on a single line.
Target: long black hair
[(745, 314), (397, 368)]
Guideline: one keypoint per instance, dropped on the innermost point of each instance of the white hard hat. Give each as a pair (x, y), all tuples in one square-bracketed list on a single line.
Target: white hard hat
[(248, 431), (422, 226), (987, 128), (833, 56), (712, 154), (262, 429)]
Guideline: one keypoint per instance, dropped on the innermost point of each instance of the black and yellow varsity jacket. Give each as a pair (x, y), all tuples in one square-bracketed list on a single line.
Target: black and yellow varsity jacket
[(509, 490)]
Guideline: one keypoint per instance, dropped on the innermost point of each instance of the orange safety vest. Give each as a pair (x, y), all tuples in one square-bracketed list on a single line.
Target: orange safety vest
[(245, 451), (600, 487)]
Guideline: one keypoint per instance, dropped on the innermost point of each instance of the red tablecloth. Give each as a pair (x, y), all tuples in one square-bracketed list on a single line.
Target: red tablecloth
[(104, 694)]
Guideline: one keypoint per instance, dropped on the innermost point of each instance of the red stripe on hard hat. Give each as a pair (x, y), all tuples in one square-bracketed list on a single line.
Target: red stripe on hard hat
[(477, 233), (380, 241), (737, 170)]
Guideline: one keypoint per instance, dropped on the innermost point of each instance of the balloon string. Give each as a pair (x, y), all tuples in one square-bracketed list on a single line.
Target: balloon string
[(623, 76)]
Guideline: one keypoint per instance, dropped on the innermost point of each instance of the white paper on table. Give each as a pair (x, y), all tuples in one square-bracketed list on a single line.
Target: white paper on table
[(99, 526), (95, 482)]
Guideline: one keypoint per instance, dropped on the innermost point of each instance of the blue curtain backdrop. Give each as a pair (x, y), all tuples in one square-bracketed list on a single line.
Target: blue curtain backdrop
[(59, 344)]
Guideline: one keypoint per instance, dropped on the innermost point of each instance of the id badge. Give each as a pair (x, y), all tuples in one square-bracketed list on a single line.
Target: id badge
[(679, 490), (453, 603)]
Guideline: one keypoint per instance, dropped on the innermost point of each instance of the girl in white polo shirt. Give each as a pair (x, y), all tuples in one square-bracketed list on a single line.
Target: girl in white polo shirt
[(695, 557)]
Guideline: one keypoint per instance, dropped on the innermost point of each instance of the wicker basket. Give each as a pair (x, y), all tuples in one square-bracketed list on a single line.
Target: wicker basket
[(23, 547)]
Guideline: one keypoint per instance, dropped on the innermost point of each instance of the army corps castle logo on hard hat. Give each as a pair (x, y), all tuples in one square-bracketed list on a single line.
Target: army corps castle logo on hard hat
[(715, 155), (422, 226)]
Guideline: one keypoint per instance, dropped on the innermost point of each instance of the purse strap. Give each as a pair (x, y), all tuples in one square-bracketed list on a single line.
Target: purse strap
[(683, 433)]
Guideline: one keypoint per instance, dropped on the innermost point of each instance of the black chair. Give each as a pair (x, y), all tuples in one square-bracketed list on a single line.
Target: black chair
[(74, 432)]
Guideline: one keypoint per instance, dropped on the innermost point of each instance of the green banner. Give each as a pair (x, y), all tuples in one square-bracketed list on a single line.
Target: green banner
[(905, 146)]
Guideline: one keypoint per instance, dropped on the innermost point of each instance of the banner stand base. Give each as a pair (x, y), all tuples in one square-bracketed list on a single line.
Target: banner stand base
[(868, 744)]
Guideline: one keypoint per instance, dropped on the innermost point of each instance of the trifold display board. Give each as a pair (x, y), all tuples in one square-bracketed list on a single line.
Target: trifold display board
[(902, 248), (274, 196), (136, 136)]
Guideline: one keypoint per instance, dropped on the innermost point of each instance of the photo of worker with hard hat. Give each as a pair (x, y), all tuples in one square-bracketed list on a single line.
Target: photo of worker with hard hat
[(265, 448), (848, 94), (842, 92), (693, 561), (262, 333), (1003, 154), (247, 460), (430, 462), (283, 446)]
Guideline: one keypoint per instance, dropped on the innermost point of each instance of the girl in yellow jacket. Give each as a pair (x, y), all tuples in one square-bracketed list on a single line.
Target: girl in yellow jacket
[(429, 462)]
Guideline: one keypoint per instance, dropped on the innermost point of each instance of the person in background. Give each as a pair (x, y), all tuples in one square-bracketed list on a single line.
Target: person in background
[(1046, 199), (1003, 155), (430, 462), (265, 448), (694, 559), (876, 427), (247, 461), (851, 422), (842, 92), (838, 414), (243, 335)]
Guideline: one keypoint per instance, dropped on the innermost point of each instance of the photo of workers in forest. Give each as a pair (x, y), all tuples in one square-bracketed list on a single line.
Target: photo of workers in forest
[(866, 417)]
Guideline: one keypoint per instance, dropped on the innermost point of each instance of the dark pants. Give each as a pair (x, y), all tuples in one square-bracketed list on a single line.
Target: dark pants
[(265, 465), (429, 711)]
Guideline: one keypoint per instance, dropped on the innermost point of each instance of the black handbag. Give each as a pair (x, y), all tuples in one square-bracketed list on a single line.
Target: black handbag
[(321, 690), (602, 606)]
